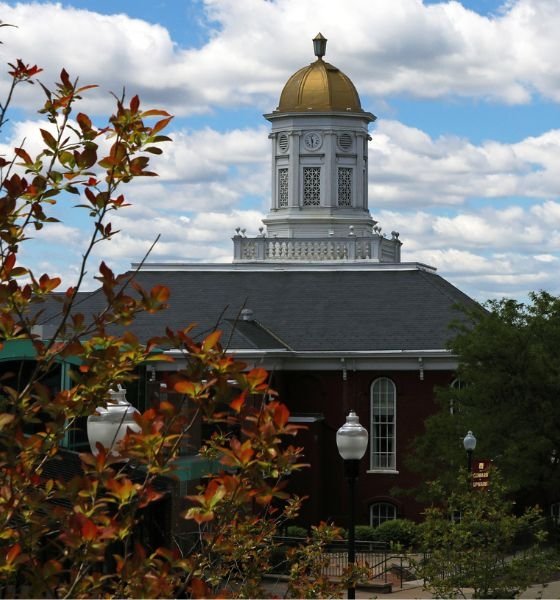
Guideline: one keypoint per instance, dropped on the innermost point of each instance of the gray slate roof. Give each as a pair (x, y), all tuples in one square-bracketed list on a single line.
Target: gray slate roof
[(371, 310)]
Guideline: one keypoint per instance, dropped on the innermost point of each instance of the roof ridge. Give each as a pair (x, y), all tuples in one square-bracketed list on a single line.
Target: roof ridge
[(442, 285), (275, 336)]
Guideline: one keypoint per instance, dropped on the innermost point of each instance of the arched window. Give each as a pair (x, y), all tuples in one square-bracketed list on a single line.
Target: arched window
[(383, 425), (454, 404), (379, 512)]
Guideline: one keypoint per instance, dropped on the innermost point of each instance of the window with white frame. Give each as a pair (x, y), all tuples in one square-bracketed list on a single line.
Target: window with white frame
[(379, 512), (383, 425)]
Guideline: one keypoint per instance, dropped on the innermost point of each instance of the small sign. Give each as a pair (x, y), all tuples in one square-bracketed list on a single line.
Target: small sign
[(481, 474)]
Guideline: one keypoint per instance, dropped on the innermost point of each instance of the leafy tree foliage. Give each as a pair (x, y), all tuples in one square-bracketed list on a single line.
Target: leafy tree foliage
[(79, 538), (470, 540), (509, 374)]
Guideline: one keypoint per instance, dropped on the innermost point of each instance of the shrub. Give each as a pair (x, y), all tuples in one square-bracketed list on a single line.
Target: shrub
[(396, 531), (296, 531), (365, 532)]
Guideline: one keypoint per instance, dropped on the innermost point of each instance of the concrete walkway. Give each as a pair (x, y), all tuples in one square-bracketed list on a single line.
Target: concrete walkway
[(413, 590)]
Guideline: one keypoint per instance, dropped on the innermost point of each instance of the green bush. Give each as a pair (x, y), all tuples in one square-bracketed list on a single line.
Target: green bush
[(364, 532), (396, 531), (296, 531)]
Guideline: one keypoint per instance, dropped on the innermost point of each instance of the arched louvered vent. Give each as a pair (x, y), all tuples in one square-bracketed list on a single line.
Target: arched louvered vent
[(345, 142), (283, 142)]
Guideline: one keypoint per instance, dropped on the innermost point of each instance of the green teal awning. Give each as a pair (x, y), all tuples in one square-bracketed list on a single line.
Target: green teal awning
[(24, 350), (189, 468)]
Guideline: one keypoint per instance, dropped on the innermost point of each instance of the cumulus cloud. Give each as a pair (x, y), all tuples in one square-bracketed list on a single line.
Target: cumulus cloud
[(486, 214), (410, 167), (401, 47)]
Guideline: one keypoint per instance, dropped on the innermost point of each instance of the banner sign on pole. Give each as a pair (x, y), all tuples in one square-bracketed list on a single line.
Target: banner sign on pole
[(481, 474)]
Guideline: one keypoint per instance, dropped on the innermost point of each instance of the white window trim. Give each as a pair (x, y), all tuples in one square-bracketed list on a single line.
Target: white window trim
[(383, 502), (383, 471), (375, 469)]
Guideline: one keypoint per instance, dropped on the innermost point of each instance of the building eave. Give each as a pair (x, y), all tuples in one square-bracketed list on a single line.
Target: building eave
[(332, 360)]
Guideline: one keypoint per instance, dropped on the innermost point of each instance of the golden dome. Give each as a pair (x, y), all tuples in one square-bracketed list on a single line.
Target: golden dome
[(319, 87)]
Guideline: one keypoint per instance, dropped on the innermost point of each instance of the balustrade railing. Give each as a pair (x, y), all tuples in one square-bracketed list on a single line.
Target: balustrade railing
[(375, 248)]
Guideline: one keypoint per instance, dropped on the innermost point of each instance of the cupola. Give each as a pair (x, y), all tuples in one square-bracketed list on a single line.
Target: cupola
[(319, 205)]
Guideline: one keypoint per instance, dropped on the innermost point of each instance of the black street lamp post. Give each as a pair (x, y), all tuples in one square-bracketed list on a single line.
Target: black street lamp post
[(469, 444), (352, 441)]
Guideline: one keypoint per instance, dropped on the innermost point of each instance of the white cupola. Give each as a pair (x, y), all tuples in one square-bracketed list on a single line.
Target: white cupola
[(319, 155), (319, 139)]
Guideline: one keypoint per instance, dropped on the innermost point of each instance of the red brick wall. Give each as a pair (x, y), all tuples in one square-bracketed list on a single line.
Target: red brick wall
[(328, 394)]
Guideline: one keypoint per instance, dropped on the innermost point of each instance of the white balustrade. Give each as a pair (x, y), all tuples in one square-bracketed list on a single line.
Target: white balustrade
[(375, 248)]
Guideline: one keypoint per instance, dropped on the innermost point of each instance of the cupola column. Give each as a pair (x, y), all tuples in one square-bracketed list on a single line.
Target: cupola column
[(273, 171), (293, 170), (361, 172), (330, 169)]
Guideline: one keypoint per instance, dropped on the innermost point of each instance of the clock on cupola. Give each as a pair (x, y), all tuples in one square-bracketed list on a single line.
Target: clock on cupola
[(312, 140)]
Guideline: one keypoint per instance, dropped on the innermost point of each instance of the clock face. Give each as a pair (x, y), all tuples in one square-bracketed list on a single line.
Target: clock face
[(312, 141)]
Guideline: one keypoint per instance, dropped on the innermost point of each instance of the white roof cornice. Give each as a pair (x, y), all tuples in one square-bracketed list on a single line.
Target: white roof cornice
[(270, 266)]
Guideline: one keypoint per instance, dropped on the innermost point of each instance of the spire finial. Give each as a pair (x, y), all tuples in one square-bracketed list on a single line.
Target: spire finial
[(320, 45)]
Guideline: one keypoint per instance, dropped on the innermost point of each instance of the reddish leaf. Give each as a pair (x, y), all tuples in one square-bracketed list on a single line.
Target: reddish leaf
[(257, 375), (155, 113), (281, 414), (13, 553), (199, 589), (135, 104), (211, 340), (160, 293), (185, 387), (160, 125), (48, 138), (65, 78), (238, 402), (48, 284), (21, 153), (89, 529), (83, 121)]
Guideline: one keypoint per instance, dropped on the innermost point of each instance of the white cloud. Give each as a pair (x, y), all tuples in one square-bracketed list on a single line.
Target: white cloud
[(205, 155), (396, 47), (488, 214), (409, 167)]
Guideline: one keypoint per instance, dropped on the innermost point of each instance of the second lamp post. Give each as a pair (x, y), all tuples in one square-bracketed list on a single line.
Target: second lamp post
[(469, 443)]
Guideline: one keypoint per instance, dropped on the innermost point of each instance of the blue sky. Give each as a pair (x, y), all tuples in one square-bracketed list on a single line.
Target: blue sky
[(465, 156)]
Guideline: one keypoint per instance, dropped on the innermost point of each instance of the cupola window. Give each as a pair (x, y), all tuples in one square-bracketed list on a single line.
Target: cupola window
[(344, 186), (282, 188), (311, 186)]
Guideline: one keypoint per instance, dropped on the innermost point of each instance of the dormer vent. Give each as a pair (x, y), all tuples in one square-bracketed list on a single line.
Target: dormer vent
[(247, 314)]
